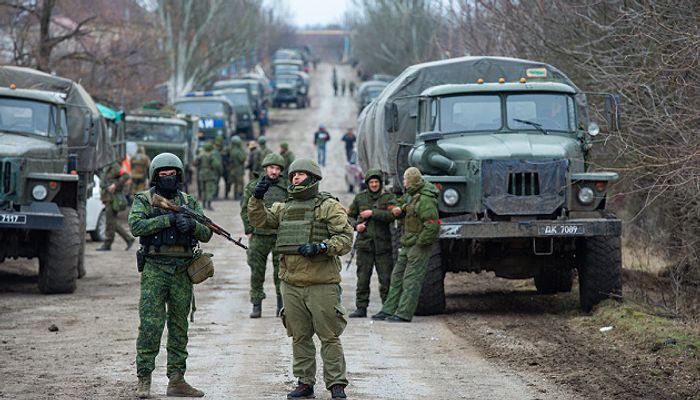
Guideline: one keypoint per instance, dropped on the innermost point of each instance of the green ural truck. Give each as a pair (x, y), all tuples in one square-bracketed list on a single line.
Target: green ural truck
[(160, 132), (506, 142), (52, 140)]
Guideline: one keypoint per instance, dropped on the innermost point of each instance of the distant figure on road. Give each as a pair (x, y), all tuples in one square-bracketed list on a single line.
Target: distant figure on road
[(113, 183), (335, 82), (349, 138), (312, 233), (351, 88), (342, 87), (321, 137), (168, 241), (421, 226)]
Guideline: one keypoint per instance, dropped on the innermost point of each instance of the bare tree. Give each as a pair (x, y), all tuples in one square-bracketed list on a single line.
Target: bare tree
[(204, 36)]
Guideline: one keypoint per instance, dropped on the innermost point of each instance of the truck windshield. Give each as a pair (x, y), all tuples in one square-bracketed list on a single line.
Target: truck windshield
[(238, 99), (201, 108), (553, 112), (147, 132), (28, 116), (469, 113), (281, 69), (287, 79)]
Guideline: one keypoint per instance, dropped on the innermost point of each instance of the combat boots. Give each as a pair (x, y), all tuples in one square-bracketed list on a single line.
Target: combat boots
[(302, 391), (280, 304), (104, 247), (144, 388), (361, 312), (338, 392), (257, 311), (178, 387)]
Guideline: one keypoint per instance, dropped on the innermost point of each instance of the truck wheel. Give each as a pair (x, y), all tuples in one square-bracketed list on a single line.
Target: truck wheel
[(100, 232), (599, 271), (58, 260), (553, 280), (432, 297)]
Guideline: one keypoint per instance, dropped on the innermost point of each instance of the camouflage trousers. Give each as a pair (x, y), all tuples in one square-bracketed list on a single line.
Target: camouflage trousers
[(259, 248), (112, 226), (366, 262), (208, 190), (160, 286), (407, 281), (316, 310), (235, 180)]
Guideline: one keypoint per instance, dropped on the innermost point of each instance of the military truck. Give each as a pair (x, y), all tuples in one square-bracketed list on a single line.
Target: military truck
[(160, 132), (291, 88), (506, 141), (245, 114), (254, 87), (367, 92), (217, 115), (52, 141)]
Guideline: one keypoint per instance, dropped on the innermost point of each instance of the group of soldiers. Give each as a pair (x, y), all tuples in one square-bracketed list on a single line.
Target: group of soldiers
[(306, 230)]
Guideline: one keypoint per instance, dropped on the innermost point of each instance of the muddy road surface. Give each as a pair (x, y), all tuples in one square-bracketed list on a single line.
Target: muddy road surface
[(493, 343)]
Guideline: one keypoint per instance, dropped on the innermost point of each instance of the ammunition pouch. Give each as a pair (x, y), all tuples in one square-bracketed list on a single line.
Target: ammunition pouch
[(201, 268)]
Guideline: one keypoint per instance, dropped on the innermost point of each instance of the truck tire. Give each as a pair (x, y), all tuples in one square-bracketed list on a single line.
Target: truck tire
[(81, 256), (432, 297), (599, 271), (554, 280), (58, 260)]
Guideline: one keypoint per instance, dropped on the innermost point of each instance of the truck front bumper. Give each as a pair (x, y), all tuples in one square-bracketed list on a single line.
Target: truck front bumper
[(526, 229), (35, 216)]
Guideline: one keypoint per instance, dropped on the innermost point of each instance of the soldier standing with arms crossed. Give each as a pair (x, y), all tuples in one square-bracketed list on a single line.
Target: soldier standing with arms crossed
[(421, 227), (261, 239), (312, 233), (168, 241), (113, 183), (370, 214)]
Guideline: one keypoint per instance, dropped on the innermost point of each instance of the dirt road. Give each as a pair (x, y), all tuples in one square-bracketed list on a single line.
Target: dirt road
[(483, 348)]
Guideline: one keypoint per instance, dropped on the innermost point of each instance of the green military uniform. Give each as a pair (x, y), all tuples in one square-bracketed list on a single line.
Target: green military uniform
[(166, 289), (374, 244), (310, 284), (114, 174), (421, 228), (236, 159), (223, 162), (251, 163), (260, 153), (209, 165), (262, 241), (139, 169), (288, 156)]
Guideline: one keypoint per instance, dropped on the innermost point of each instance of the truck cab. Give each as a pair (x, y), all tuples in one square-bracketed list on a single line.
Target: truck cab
[(217, 115)]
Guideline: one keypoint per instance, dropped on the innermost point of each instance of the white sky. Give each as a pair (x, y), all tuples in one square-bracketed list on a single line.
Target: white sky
[(314, 12)]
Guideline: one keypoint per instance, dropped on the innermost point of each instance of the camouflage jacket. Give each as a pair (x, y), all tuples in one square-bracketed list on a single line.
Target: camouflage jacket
[(377, 236), (112, 174), (236, 160), (421, 223)]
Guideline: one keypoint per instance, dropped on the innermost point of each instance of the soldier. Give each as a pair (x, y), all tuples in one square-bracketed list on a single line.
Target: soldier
[(351, 87), (260, 153), (421, 226), (262, 240), (342, 87), (236, 157), (167, 244), (370, 214), (312, 232), (113, 184), (208, 166), (220, 152), (288, 156), (253, 173), (139, 169)]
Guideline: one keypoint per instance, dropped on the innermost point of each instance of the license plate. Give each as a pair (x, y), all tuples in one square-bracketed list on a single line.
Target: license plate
[(562, 230), (16, 219)]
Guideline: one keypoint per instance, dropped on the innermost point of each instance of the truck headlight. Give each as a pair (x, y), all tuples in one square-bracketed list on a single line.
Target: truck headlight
[(450, 197), (586, 195), (39, 192)]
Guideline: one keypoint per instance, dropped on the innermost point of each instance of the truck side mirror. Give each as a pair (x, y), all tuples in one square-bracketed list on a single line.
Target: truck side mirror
[(612, 111), (391, 117)]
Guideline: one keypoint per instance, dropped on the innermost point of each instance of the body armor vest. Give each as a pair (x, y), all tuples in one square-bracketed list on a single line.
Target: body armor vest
[(169, 241), (412, 223), (299, 225)]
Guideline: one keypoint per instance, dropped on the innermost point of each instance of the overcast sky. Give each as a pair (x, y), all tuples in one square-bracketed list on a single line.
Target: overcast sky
[(315, 12)]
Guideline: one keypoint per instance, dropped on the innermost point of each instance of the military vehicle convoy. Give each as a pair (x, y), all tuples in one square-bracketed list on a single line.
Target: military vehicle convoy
[(291, 88), (52, 140), (217, 115), (506, 141)]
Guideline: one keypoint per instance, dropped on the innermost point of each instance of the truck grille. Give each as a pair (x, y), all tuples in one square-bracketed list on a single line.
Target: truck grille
[(6, 174), (524, 184)]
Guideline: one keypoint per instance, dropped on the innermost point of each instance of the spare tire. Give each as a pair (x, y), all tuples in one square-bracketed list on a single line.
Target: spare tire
[(58, 259)]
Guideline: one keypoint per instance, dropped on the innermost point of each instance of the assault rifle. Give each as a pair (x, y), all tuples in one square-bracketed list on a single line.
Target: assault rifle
[(161, 202), (352, 254)]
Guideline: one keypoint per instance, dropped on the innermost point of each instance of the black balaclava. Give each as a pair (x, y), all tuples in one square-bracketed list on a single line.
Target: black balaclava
[(167, 185)]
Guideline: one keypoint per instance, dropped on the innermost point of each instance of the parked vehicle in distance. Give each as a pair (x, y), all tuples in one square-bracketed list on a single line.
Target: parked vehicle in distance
[(241, 100), (290, 89), (367, 92), (217, 115)]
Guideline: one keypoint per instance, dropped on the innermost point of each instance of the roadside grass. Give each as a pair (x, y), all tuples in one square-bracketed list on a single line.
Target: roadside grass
[(643, 258), (649, 328)]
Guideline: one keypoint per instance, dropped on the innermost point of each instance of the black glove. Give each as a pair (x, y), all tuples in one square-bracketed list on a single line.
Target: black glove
[(261, 188), (172, 217), (312, 249), (185, 224)]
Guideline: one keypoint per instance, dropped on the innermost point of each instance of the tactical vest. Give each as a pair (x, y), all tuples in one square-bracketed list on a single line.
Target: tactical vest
[(299, 224), (276, 194), (411, 222), (170, 241), (138, 167)]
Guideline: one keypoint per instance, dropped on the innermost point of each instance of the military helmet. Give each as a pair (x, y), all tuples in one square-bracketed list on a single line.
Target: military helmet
[(262, 140), (273, 159), (165, 161), (284, 145), (236, 139), (306, 165)]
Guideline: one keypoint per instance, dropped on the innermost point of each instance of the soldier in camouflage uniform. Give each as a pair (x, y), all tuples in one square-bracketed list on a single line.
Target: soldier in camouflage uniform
[(421, 227), (288, 156), (236, 158), (251, 163), (168, 241), (139, 169), (113, 184), (370, 214), (223, 161), (312, 233), (262, 240), (260, 153), (208, 166)]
